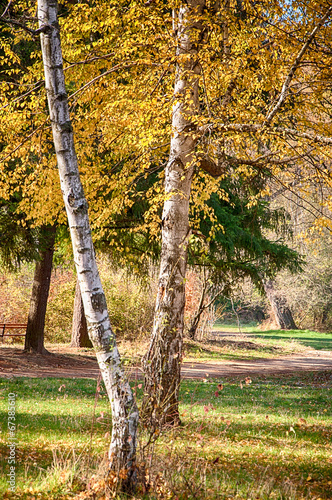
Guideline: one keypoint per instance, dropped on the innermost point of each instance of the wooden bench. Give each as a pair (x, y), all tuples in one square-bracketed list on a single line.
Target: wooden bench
[(11, 326)]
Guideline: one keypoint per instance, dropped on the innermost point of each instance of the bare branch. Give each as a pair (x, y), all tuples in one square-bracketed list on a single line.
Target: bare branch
[(87, 61), (263, 160), (112, 70), (302, 135), (26, 139), (160, 79), (6, 9), (42, 29), (255, 128), (37, 86)]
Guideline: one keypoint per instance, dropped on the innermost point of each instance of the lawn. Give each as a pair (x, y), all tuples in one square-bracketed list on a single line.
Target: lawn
[(306, 338), (314, 340), (269, 438)]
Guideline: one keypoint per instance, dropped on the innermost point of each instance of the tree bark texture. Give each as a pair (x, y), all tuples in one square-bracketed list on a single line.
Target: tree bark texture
[(162, 361), (79, 334), (34, 336), (281, 311), (122, 451)]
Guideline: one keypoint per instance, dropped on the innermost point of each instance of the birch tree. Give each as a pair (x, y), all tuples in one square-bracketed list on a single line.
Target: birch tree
[(262, 106), (162, 361), (124, 410)]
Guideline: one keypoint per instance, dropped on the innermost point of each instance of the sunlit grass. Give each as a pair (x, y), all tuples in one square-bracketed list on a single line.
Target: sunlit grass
[(268, 439), (305, 338), (239, 347)]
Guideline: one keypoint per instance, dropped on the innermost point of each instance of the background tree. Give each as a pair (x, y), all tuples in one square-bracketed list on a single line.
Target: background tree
[(20, 242), (34, 336), (249, 242), (79, 335)]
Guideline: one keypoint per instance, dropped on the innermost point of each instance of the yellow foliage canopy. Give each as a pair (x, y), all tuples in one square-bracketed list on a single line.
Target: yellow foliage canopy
[(120, 62)]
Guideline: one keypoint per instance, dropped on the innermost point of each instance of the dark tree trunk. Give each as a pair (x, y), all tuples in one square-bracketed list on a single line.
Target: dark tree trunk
[(79, 335), (194, 324), (34, 337), (198, 313), (281, 311)]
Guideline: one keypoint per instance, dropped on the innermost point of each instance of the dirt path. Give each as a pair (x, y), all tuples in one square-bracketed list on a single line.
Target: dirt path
[(310, 361), (71, 364)]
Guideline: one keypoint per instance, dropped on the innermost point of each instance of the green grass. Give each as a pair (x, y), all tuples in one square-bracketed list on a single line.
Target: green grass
[(306, 338), (270, 439), (239, 349), (50, 420), (314, 340)]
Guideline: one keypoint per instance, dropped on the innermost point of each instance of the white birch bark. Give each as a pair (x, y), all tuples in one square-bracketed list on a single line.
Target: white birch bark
[(162, 361), (124, 410)]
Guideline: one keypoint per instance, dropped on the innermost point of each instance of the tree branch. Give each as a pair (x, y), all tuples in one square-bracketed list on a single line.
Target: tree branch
[(210, 166), (252, 127), (294, 67), (216, 170), (6, 9), (42, 29)]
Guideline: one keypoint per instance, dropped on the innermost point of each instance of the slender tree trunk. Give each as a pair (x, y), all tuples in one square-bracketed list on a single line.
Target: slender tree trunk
[(34, 336), (162, 361), (122, 451), (281, 311), (199, 311), (79, 334)]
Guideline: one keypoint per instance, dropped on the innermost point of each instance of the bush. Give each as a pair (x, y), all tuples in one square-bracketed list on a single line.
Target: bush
[(130, 302), (60, 306)]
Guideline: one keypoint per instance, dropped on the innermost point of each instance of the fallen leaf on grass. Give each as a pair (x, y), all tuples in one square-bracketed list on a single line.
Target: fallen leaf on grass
[(301, 421)]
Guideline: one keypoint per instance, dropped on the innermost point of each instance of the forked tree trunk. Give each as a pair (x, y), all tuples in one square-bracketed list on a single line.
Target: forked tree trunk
[(122, 451), (34, 336), (79, 334), (163, 359), (282, 313)]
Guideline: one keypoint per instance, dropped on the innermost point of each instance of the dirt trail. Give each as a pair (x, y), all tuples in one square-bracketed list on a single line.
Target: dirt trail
[(71, 364)]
